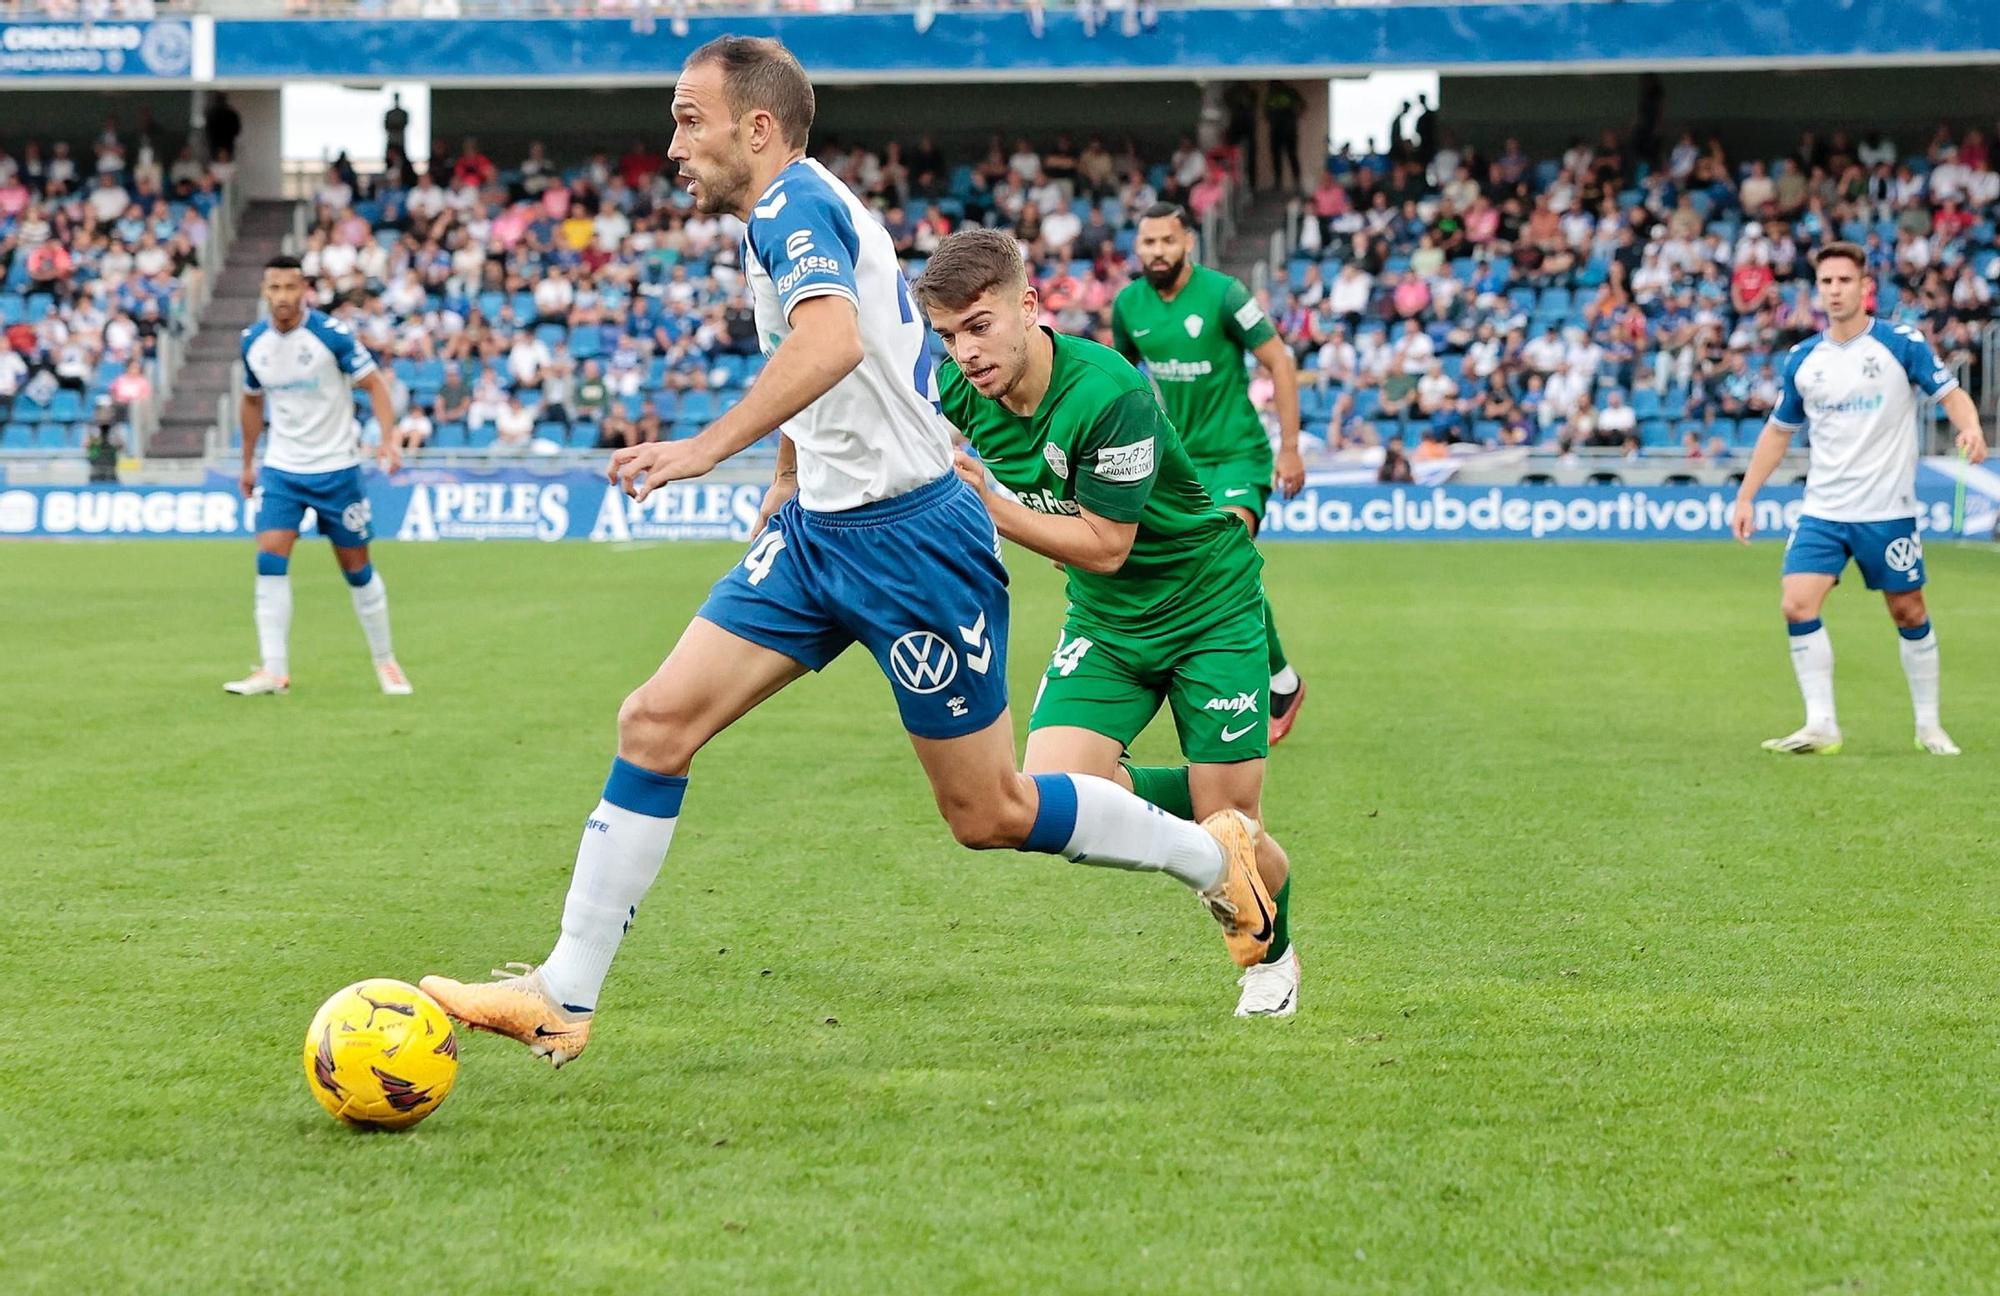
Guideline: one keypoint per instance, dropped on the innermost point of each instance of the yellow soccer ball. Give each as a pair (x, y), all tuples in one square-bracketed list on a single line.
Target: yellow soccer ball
[(381, 1054)]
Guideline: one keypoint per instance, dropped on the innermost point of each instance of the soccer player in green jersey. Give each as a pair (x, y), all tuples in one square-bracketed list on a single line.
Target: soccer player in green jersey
[(1192, 326), (1166, 601)]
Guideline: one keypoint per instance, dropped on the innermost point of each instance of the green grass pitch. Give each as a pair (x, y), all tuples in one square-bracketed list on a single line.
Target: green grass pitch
[(1600, 997)]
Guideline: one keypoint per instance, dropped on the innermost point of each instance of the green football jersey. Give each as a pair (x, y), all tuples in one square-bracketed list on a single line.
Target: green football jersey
[(1194, 347), (1100, 441)]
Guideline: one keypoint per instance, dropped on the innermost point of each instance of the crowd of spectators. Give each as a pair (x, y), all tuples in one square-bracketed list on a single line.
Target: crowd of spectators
[(100, 251), (591, 304), (1609, 299), (1439, 294)]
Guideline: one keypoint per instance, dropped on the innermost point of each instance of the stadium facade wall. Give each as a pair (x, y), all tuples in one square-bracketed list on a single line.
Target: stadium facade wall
[(961, 117), (868, 47), (1759, 115), (433, 505)]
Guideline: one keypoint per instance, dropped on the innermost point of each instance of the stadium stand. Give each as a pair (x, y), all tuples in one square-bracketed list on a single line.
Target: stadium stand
[(1599, 300), (1608, 299), (100, 264)]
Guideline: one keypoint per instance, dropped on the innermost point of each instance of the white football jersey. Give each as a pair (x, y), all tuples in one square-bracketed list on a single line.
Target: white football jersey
[(1857, 400), (306, 377), (877, 434)]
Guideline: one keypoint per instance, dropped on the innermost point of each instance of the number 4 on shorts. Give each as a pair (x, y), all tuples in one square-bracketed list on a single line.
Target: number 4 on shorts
[(1069, 655), (762, 554)]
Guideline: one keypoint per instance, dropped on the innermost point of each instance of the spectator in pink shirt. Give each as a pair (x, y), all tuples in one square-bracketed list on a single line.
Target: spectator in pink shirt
[(1412, 296)]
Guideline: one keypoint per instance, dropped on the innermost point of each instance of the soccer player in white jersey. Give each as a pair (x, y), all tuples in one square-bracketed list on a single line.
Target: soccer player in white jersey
[(1854, 387), (299, 367), (867, 536)]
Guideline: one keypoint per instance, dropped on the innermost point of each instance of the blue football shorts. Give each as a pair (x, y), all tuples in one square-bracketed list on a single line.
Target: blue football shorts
[(916, 579)]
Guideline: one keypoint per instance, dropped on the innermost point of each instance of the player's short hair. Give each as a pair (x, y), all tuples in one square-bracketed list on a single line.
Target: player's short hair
[(283, 262), (969, 263), (761, 73), (1839, 251), (1168, 211)]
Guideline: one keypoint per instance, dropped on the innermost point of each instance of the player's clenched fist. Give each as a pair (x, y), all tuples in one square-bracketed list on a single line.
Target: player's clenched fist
[(658, 462)]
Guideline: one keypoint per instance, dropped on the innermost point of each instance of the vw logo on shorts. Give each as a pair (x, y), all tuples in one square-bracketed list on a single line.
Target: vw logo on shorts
[(1902, 553), (356, 516), (923, 663)]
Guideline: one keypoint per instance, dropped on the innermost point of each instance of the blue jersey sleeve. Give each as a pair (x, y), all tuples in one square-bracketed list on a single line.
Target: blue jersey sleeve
[(1791, 411), (804, 237), (348, 352), (1919, 360), (250, 335)]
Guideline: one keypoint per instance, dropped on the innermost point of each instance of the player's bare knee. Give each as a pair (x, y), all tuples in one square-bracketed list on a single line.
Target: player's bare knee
[(1797, 608), (655, 733), (1908, 611), (994, 822)]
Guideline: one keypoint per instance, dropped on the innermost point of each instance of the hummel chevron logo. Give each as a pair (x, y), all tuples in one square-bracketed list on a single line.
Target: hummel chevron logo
[(980, 649), (765, 211)]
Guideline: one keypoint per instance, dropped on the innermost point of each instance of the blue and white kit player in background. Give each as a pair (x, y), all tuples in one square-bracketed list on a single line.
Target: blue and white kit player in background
[(872, 538), (1853, 387), (298, 370)]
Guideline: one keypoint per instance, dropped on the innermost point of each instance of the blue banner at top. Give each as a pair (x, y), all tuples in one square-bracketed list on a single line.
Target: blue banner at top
[(166, 49), (1248, 41)]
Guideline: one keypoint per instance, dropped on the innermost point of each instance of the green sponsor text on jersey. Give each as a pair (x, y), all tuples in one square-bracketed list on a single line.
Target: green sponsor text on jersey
[(1099, 441), (1194, 347)]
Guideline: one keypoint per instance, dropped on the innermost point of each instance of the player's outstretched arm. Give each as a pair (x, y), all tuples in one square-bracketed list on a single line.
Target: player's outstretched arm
[(389, 453), (1964, 417), (250, 412), (1088, 541), (825, 346), (1772, 443)]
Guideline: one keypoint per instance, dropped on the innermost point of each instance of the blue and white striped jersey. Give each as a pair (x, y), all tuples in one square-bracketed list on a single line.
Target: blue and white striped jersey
[(307, 377), (877, 434)]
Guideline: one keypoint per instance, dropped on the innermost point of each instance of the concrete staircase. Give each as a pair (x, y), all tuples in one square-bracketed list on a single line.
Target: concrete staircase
[(1252, 242), (211, 356)]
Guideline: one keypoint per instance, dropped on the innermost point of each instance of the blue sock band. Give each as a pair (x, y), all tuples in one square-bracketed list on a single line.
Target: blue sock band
[(270, 564), (1914, 633), (642, 791), (1055, 815), (1797, 628), (361, 577)]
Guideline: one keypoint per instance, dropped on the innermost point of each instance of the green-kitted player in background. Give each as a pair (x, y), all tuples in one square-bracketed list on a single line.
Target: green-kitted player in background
[(1192, 326), (1166, 601)]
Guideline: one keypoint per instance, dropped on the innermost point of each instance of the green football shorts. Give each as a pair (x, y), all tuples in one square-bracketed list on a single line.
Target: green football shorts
[(1215, 676), (1239, 483)]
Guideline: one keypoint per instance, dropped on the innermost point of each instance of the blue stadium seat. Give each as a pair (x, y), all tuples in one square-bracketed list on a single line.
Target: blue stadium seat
[(1656, 432), (583, 434), (17, 436), (697, 406), (1646, 403), (66, 406), (1748, 430), (555, 432), (13, 308), (479, 438), (1487, 431), (551, 335), (449, 436)]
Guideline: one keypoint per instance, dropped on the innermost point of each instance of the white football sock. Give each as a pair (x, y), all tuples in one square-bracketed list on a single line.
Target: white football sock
[(371, 605), (620, 856), (1920, 666), (274, 623), (1109, 826), (1285, 681), (1812, 662)]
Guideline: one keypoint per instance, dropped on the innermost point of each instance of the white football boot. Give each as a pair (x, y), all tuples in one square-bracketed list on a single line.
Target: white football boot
[(390, 676), (1807, 742), (259, 682), (1936, 741), (1270, 989)]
